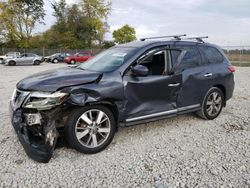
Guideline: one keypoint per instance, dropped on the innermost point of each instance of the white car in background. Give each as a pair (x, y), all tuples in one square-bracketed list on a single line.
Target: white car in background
[(9, 55), (24, 59)]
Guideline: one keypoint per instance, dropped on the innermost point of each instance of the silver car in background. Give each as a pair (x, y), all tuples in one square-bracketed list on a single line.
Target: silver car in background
[(24, 59), (9, 55)]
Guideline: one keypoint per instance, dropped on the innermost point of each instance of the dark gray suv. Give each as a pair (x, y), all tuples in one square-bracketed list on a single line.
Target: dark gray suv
[(125, 85)]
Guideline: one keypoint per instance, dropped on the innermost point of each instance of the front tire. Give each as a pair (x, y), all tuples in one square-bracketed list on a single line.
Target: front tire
[(37, 62), (212, 104), (90, 129), (12, 63), (55, 61)]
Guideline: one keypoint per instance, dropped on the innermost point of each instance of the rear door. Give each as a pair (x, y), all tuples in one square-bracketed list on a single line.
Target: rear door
[(196, 78), (30, 58), (82, 57), (21, 60)]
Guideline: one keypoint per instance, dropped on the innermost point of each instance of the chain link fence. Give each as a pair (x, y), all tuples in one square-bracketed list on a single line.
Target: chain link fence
[(46, 52), (238, 53)]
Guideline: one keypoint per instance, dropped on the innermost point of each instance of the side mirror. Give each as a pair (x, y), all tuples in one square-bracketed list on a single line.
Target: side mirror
[(139, 70)]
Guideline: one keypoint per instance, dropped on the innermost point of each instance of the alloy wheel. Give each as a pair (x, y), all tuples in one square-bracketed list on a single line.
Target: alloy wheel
[(93, 128), (214, 103)]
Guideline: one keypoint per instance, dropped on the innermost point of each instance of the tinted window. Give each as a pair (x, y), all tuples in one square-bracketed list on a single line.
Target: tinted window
[(82, 54), (191, 59), (211, 54)]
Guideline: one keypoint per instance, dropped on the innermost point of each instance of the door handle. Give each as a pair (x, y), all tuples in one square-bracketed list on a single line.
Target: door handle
[(208, 75), (174, 85)]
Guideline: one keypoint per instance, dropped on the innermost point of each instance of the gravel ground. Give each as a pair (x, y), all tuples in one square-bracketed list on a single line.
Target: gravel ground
[(179, 152)]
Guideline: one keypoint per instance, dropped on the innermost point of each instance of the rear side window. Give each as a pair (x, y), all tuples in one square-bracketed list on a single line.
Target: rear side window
[(211, 54), (191, 59)]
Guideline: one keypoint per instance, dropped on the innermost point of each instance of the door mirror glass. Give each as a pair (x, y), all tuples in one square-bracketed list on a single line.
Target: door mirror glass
[(139, 70)]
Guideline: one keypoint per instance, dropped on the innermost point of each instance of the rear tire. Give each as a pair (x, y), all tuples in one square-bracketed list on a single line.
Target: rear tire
[(90, 129), (12, 63), (37, 62), (212, 104), (72, 61), (55, 61)]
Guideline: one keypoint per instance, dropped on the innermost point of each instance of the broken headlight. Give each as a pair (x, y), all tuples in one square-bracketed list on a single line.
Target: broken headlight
[(44, 101)]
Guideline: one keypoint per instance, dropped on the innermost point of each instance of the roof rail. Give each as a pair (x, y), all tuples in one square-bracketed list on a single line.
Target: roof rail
[(177, 37), (199, 39)]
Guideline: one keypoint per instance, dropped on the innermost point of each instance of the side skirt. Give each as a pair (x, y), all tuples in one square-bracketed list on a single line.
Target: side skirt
[(160, 115)]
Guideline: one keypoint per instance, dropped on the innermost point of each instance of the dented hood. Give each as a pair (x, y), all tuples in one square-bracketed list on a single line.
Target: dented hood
[(52, 80)]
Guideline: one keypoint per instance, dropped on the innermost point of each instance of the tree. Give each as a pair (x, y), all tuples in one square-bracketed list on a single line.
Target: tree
[(108, 44), (97, 12), (18, 19), (124, 34), (84, 25)]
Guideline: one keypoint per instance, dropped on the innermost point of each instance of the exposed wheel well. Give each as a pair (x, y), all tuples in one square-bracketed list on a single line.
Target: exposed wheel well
[(222, 88)]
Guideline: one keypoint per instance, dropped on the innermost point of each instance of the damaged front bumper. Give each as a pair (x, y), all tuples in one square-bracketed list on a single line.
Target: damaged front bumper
[(38, 136)]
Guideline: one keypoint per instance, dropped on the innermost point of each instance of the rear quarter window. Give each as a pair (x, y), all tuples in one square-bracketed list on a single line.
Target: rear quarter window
[(211, 54)]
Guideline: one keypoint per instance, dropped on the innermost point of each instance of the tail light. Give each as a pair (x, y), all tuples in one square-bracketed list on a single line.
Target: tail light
[(232, 69)]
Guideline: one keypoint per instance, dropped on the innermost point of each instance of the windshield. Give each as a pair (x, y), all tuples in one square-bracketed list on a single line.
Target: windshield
[(108, 60)]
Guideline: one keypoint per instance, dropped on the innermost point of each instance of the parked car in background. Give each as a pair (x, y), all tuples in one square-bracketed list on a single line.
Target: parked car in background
[(56, 58), (24, 59), (78, 58), (9, 55)]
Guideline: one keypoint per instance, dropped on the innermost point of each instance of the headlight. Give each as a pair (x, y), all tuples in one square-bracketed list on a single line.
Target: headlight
[(45, 101)]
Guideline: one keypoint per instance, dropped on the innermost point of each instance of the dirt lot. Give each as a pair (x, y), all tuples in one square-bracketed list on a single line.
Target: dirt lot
[(179, 152)]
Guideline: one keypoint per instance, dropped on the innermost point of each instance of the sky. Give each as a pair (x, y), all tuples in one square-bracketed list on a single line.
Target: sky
[(226, 22)]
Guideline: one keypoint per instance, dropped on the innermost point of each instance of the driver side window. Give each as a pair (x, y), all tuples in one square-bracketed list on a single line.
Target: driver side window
[(155, 63)]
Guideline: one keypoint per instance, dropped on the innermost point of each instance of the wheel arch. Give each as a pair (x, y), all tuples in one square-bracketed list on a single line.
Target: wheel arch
[(111, 106), (223, 89), (107, 103)]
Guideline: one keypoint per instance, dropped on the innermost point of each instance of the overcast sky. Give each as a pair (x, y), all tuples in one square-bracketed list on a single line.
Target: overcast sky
[(226, 22)]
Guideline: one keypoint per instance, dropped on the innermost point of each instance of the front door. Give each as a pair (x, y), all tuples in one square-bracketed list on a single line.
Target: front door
[(154, 94)]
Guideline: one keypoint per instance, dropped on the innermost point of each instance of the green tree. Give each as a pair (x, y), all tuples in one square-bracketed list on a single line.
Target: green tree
[(108, 44), (97, 12), (83, 24), (124, 34), (18, 20)]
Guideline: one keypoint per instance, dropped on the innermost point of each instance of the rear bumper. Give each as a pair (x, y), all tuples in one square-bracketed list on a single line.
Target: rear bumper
[(40, 152), (230, 87)]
